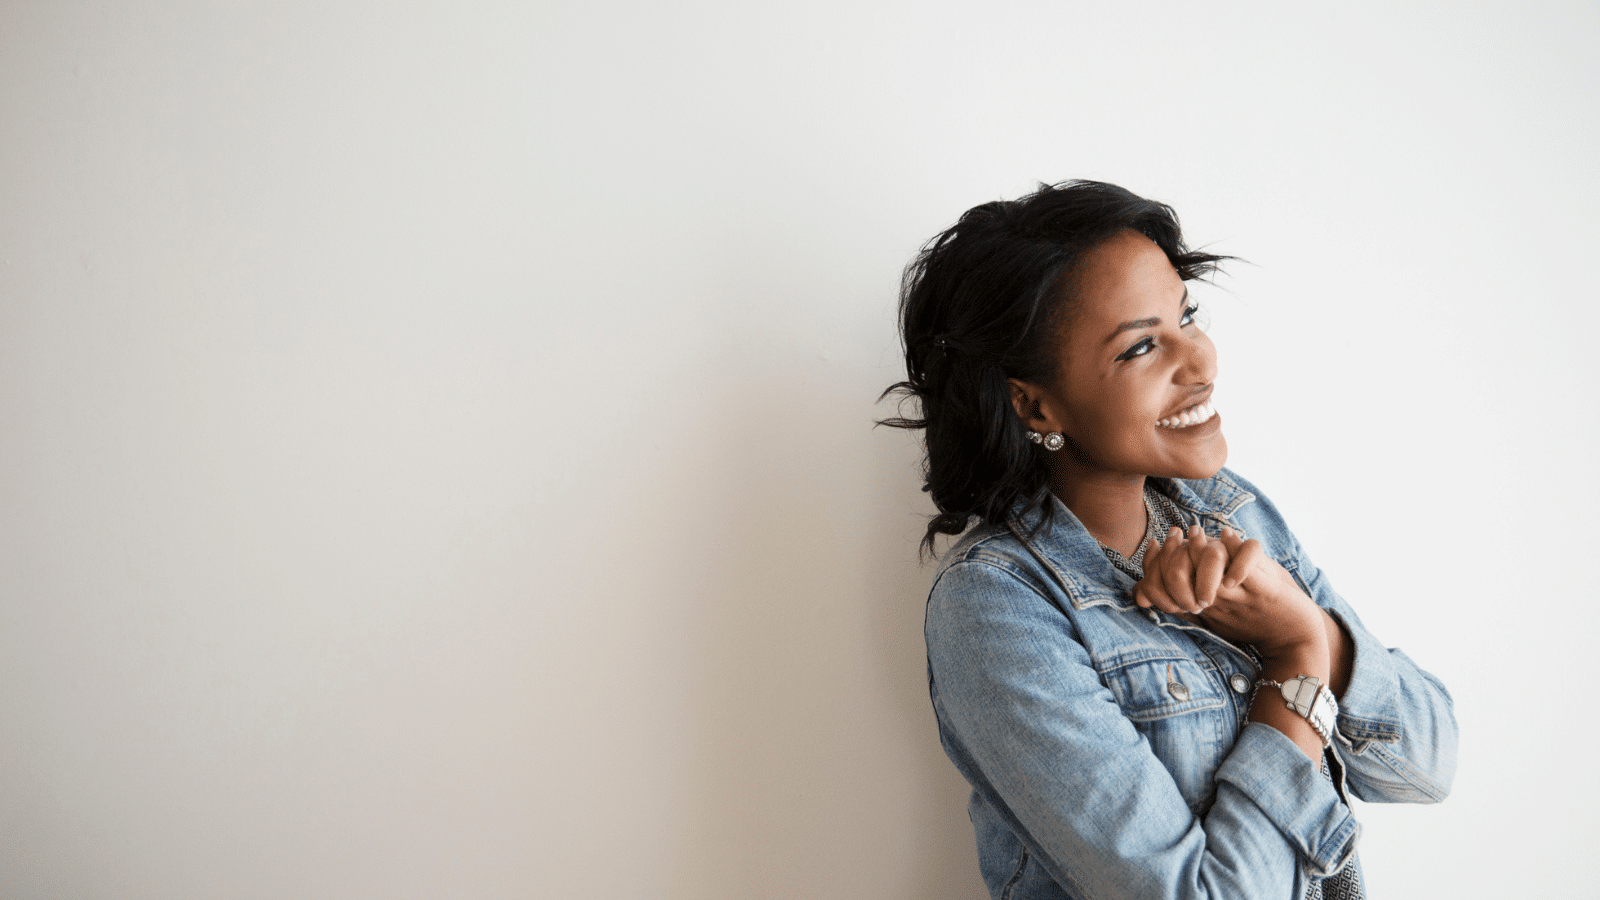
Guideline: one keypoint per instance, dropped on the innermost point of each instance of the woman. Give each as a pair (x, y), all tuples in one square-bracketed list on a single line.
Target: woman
[(1151, 689)]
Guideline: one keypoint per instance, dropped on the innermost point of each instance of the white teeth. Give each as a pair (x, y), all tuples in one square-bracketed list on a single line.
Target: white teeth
[(1194, 415)]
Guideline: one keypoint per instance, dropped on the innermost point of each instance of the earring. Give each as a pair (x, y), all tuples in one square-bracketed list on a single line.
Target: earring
[(1051, 441)]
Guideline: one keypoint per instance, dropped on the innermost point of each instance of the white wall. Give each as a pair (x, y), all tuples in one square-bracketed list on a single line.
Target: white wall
[(437, 453)]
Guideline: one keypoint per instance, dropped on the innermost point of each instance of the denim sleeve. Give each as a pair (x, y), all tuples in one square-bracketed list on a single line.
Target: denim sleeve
[(1397, 724), (1024, 715)]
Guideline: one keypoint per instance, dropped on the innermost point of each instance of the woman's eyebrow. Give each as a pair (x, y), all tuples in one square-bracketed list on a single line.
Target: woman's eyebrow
[(1133, 326), (1146, 323)]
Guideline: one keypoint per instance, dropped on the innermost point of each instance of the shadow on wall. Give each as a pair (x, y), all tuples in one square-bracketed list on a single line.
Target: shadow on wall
[(946, 862), (816, 769)]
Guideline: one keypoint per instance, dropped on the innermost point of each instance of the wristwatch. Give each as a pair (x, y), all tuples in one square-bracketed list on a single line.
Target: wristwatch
[(1306, 695)]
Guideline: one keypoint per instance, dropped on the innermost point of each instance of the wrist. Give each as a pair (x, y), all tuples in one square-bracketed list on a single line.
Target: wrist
[(1306, 646), (1310, 659), (1308, 655)]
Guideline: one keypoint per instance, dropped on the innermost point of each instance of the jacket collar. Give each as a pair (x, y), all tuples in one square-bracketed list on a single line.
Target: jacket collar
[(1074, 559)]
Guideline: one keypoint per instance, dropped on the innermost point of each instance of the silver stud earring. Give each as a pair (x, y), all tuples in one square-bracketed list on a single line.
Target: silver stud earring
[(1051, 441)]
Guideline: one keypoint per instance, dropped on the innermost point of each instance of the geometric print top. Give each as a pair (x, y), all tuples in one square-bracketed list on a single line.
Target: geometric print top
[(1160, 514)]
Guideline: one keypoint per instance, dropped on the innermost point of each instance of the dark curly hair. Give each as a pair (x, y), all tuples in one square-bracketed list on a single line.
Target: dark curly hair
[(986, 300)]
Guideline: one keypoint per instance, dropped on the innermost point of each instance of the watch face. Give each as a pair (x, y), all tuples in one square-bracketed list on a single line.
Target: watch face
[(1301, 692)]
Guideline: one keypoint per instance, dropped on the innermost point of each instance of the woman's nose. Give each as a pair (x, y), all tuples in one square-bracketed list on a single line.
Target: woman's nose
[(1199, 364)]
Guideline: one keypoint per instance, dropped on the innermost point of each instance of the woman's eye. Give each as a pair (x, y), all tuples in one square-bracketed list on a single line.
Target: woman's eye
[(1144, 346), (1189, 314)]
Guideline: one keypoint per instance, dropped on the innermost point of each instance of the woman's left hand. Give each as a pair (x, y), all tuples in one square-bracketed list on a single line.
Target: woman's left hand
[(1231, 586), (1260, 603)]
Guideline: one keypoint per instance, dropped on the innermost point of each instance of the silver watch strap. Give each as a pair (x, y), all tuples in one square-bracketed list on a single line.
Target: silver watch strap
[(1309, 698)]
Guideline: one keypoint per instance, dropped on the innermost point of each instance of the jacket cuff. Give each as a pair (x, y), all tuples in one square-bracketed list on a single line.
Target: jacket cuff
[(1278, 778), (1368, 707)]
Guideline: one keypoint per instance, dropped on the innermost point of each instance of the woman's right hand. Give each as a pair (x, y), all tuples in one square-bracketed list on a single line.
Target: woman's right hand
[(1182, 575)]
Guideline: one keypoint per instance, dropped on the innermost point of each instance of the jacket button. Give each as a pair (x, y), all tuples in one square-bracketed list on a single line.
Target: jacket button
[(1178, 691), (1239, 683)]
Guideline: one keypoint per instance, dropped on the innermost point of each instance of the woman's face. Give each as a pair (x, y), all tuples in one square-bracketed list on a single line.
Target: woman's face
[(1136, 371)]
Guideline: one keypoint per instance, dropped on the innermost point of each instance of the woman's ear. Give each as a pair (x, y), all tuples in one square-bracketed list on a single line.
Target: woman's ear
[(1032, 406)]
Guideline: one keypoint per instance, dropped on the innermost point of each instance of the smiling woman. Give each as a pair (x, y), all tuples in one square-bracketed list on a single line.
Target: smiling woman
[(1151, 689), (1131, 386)]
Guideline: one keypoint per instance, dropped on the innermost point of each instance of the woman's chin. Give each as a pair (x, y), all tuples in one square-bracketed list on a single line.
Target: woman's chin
[(1207, 461)]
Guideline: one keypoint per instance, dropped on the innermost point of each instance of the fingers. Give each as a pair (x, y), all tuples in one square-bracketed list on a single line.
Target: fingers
[(1148, 592), (1231, 540), (1193, 577), (1246, 555), (1177, 572), (1184, 575), (1210, 558), (1159, 588)]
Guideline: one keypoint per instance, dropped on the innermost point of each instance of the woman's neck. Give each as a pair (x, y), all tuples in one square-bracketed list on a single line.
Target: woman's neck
[(1110, 506)]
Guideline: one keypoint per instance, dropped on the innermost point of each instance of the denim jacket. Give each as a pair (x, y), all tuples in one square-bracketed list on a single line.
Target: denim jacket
[(1107, 745)]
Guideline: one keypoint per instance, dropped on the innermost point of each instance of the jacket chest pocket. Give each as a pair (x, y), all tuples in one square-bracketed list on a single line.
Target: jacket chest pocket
[(1176, 705)]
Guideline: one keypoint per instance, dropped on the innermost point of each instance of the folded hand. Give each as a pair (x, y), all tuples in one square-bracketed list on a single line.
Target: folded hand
[(1232, 587)]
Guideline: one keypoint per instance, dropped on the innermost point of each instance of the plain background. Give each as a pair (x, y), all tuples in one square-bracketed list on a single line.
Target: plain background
[(437, 452)]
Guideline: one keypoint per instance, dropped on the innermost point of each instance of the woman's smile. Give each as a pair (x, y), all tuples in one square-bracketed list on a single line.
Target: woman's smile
[(1198, 414)]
